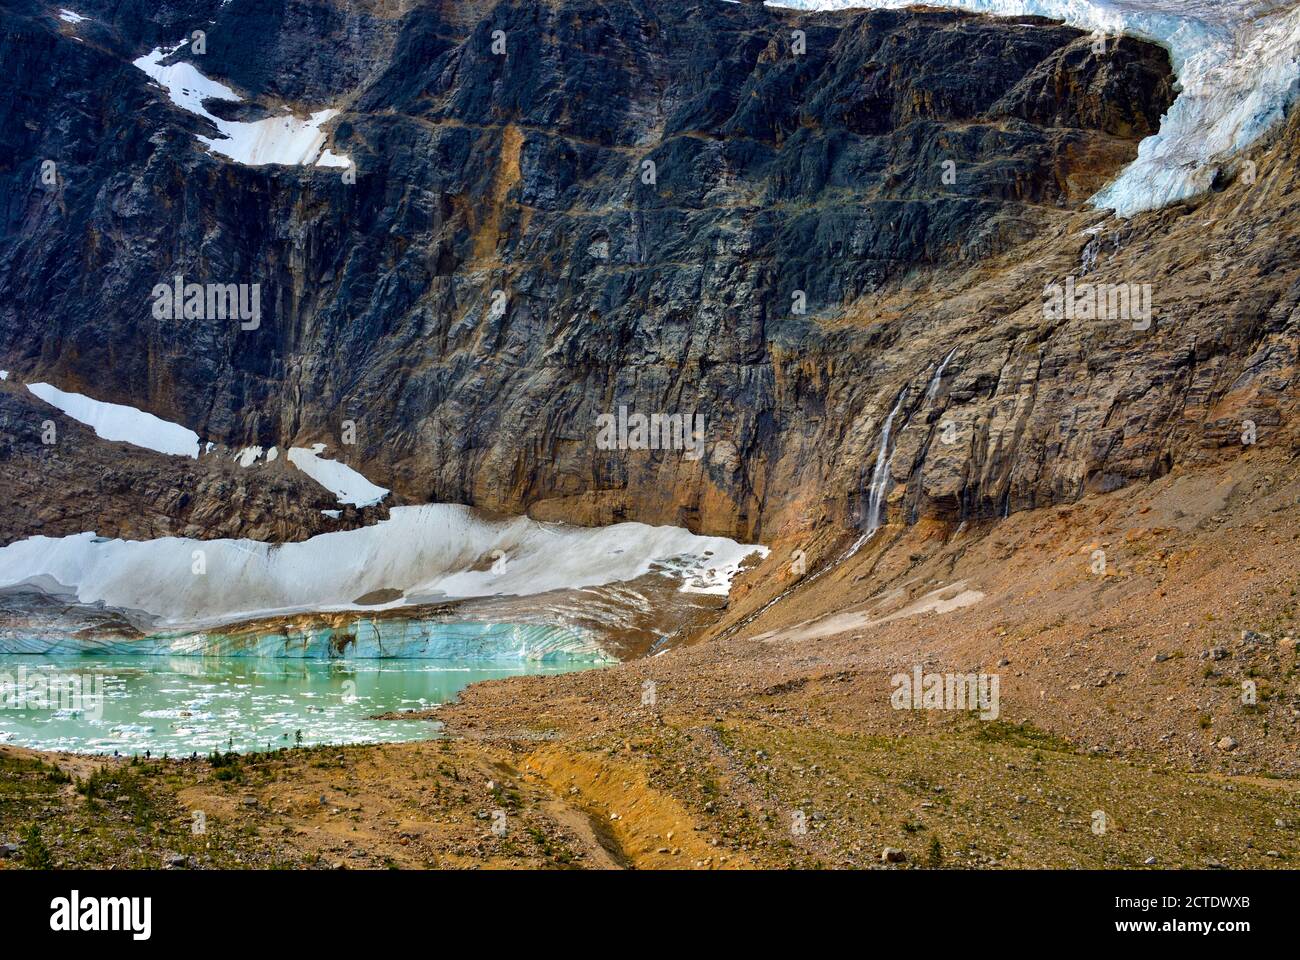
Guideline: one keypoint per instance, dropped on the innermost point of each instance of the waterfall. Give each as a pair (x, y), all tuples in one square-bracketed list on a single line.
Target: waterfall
[(884, 457), (880, 475), (1088, 259), (938, 377), (879, 478), (875, 496)]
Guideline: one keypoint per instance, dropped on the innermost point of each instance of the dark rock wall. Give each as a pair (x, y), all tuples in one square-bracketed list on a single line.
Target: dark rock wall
[(775, 173)]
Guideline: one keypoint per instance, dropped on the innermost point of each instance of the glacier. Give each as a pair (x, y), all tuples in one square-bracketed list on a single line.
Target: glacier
[(1238, 68), (420, 555), (362, 638)]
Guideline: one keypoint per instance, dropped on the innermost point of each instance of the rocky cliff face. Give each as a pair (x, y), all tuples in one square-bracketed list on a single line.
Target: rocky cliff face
[(81, 482), (673, 207)]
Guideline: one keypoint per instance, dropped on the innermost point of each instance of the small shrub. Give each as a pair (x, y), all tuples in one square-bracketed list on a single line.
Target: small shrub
[(934, 857), (36, 855)]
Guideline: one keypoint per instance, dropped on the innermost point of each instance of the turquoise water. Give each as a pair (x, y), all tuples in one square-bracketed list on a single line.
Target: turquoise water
[(179, 705)]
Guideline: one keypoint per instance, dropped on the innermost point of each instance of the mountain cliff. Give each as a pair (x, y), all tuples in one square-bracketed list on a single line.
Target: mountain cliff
[(781, 222)]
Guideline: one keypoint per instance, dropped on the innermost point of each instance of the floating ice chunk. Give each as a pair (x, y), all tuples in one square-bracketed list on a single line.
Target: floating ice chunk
[(67, 16), (1237, 63), (129, 729), (338, 478), (286, 140), (115, 421)]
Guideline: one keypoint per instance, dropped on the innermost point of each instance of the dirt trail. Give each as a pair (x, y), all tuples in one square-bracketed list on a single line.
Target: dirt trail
[(642, 827)]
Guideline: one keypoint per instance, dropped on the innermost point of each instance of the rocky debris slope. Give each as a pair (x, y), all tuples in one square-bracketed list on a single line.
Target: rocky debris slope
[(83, 483), (1158, 624), (504, 269)]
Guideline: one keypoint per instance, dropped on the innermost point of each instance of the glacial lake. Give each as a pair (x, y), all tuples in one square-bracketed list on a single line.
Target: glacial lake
[(180, 705)]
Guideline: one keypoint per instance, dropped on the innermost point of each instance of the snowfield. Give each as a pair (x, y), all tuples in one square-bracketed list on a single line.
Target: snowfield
[(286, 140), (116, 421), (338, 478)]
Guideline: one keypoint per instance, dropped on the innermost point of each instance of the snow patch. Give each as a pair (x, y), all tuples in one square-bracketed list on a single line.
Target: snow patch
[(1237, 63), (248, 456), (68, 16), (945, 599), (115, 421), (286, 140), (331, 159), (338, 478)]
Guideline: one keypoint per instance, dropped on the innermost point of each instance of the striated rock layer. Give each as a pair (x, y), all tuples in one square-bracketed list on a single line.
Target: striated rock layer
[(913, 179)]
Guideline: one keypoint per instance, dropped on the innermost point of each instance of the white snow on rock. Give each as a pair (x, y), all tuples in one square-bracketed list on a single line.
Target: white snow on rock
[(331, 159), (429, 553), (1237, 62), (286, 140), (338, 478), (4, 374), (115, 421), (248, 456), (68, 16)]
